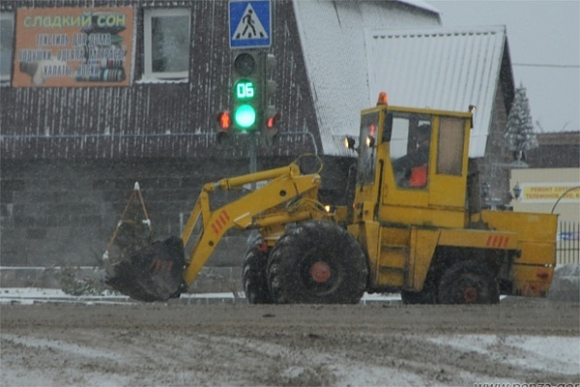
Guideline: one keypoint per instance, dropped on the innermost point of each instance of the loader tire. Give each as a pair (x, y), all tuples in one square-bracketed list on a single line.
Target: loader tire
[(317, 262), (254, 274), (468, 282)]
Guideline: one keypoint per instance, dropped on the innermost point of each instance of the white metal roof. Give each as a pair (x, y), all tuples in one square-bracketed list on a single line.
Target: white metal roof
[(446, 69), (355, 49), (334, 43), (420, 4)]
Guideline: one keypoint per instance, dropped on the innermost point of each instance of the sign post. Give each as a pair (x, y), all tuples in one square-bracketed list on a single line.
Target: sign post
[(250, 28)]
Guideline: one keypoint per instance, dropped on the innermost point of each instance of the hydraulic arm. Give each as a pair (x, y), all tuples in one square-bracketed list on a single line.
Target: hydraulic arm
[(159, 272), (258, 209)]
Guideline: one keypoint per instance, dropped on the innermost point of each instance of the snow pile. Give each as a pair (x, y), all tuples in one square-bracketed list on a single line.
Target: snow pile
[(30, 296), (536, 353), (566, 283)]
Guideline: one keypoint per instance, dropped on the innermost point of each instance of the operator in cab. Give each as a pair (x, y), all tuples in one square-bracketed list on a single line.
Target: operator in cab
[(411, 169)]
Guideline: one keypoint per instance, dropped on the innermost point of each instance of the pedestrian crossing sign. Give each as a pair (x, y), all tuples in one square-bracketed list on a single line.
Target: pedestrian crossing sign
[(250, 23)]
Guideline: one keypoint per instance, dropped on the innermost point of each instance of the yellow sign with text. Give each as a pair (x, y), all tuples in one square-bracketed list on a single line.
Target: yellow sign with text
[(550, 192)]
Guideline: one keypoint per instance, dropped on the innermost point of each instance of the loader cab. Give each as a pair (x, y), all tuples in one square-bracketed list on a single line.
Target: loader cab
[(412, 167)]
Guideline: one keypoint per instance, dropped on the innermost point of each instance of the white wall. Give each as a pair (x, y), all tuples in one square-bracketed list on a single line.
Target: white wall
[(542, 187)]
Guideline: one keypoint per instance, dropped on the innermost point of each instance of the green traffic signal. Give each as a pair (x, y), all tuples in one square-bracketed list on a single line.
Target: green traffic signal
[(244, 90), (245, 116)]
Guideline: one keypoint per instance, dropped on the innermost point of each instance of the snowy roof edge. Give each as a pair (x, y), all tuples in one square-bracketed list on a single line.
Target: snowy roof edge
[(439, 31), (301, 34), (421, 4)]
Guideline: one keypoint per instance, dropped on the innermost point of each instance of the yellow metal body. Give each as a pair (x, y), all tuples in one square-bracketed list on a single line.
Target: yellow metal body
[(533, 267), (401, 228), (287, 197)]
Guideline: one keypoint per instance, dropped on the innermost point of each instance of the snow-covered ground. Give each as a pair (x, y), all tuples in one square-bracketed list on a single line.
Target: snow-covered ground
[(29, 296), (49, 338)]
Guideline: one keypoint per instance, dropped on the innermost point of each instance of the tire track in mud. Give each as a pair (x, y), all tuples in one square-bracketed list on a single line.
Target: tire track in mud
[(409, 358), (38, 361), (253, 361), (299, 362)]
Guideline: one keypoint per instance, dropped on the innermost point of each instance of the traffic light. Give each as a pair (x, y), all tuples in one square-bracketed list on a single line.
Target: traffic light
[(224, 121), (253, 89), (271, 115), (247, 77)]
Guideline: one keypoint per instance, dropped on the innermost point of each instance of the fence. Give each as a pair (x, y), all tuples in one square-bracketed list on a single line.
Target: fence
[(568, 243)]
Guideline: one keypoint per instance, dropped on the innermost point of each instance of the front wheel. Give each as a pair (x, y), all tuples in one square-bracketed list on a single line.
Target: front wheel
[(317, 262), (468, 282), (254, 274)]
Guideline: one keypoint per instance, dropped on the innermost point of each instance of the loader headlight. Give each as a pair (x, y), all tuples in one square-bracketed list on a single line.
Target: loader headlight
[(370, 141), (349, 142)]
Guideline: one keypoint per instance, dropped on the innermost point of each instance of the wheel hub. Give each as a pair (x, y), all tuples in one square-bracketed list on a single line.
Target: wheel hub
[(320, 271), (470, 294)]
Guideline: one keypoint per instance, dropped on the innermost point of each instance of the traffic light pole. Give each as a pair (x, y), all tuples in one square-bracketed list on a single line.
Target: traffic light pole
[(253, 157), (252, 111)]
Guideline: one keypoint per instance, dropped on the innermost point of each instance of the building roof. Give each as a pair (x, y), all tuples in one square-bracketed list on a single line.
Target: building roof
[(332, 35), (443, 69), (420, 5), (555, 150), (350, 57)]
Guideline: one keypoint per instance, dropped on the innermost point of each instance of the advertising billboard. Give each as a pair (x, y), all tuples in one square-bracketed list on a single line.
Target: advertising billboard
[(60, 47)]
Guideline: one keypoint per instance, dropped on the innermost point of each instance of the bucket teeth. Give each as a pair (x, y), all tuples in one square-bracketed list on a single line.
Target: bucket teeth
[(154, 273)]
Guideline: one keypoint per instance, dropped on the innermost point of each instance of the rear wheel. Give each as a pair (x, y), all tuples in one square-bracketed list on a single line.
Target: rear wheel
[(254, 274), (317, 262), (426, 296), (468, 282)]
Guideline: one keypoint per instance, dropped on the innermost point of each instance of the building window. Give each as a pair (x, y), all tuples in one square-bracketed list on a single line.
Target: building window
[(166, 44), (6, 45)]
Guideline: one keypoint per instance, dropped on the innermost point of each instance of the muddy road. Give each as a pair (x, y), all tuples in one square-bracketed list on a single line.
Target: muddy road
[(534, 341)]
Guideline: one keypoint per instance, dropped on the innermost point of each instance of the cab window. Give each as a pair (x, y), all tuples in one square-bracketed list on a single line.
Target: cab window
[(450, 144), (367, 154), (409, 149)]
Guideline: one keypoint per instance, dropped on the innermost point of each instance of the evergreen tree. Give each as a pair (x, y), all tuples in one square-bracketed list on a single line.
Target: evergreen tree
[(520, 130)]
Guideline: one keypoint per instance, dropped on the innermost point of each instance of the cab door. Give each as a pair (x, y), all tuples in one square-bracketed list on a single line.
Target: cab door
[(449, 162), (432, 193), (406, 180)]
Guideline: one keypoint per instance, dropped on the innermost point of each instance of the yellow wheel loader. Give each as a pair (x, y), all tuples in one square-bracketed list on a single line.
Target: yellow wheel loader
[(413, 225)]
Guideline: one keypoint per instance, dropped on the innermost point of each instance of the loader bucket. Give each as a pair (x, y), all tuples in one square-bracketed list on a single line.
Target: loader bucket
[(154, 273)]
